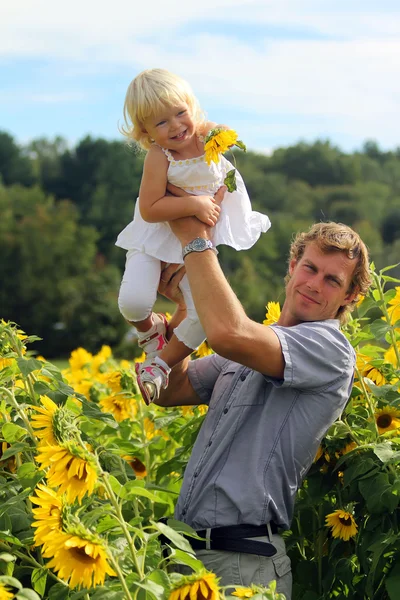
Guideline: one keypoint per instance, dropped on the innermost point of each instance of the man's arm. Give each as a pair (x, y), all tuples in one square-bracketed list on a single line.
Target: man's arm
[(229, 330)]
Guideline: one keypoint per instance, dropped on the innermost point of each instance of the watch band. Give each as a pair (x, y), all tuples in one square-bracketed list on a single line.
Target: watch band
[(197, 245)]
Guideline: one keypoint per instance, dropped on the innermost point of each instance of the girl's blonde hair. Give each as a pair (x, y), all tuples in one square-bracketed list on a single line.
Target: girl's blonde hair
[(151, 91)]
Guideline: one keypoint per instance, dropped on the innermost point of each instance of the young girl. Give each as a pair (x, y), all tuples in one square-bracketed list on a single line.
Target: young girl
[(163, 116)]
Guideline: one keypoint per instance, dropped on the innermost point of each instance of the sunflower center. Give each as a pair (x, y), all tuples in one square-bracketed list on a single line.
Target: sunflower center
[(346, 521), (384, 421), (80, 555)]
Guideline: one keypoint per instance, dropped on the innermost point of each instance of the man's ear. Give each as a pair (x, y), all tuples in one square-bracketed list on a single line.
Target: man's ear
[(351, 296), (292, 264)]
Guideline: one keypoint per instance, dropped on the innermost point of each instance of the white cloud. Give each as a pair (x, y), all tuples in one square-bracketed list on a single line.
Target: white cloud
[(347, 84)]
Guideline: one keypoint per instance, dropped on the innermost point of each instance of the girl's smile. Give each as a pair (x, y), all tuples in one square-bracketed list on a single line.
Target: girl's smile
[(173, 127)]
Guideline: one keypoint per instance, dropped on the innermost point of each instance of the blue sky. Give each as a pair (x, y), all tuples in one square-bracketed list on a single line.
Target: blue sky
[(277, 72)]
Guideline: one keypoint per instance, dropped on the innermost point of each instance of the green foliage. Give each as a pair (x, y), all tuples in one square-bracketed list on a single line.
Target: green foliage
[(52, 248)]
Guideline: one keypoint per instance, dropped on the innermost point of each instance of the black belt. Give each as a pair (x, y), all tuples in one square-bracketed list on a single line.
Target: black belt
[(233, 539)]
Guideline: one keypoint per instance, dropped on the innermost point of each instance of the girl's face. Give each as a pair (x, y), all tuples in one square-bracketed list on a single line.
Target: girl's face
[(172, 127)]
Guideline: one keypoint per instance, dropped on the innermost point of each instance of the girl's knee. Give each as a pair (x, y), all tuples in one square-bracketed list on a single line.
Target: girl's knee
[(134, 308)]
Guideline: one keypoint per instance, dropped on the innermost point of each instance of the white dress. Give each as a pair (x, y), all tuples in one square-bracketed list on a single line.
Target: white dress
[(238, 225)]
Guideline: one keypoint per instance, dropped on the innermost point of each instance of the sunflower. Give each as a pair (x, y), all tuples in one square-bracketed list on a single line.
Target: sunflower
[(394, 307), (342, 524), (244, 592), (203, 350), (71, 467), (348, 448), (6, 362), (4, 593), (113, 381), (199, 586), (81, 560), (368, 370), (48, 514), (273, 313), (9, 464), (137, 465), (100, 358), (387, 419), (319, 453), (120, 406), (391, 357), (217, 142), (79, 359), (45, 422)]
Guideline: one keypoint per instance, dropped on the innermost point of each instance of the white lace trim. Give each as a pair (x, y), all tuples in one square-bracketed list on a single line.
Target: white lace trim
[(182, 163), (213, 186)]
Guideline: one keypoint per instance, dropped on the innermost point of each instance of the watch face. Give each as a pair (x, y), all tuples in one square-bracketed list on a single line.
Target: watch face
[(199, 244)]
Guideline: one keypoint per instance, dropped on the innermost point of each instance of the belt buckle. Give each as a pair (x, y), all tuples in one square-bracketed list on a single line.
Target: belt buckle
[(208, 538)]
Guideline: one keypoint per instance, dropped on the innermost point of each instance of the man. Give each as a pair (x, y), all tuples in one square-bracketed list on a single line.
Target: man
[(272, 393)]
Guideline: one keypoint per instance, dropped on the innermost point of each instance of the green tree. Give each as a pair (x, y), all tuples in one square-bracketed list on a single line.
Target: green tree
[(15, 166), (47, 254)]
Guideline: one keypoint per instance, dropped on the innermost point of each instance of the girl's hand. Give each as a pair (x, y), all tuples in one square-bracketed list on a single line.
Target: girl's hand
[(207, 211)]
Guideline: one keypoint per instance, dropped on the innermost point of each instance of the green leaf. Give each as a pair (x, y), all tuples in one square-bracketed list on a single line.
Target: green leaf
[(136, 488), (392, 583), (156, 591), (175, 537), (230, 180), (182, 558), (116, 486), (379, 328), (160, 577), (27, 594), (12, 432), (7, 580), (15, 449), (387, 268), (365, 306), (378, 494), (58, 591), (6, 557), (387, 278), (38, 579), (27, 365), (241, 145), (385, 452)]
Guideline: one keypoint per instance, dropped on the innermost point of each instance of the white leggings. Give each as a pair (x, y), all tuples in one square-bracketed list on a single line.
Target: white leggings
[(138, 293)]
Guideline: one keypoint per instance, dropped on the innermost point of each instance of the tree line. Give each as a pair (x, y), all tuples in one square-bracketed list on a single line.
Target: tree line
[(62, 209)]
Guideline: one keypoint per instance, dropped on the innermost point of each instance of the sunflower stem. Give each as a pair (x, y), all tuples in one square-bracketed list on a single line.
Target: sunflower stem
[(368, 399), (122, 522), (20, 412), (120, 577), (379, 287), (32, 561), (27, 380)]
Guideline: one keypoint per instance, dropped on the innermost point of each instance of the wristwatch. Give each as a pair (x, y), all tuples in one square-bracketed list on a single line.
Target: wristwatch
[(197, 245)]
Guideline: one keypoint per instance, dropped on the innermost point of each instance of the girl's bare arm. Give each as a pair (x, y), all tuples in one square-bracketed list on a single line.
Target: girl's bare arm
[(156, 207)]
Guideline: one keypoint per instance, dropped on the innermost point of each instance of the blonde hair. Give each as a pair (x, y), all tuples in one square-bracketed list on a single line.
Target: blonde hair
[(151, 91), (336, 237)]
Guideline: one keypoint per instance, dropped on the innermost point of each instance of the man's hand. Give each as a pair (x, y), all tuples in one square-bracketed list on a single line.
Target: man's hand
[(171, 276), (188, 228)]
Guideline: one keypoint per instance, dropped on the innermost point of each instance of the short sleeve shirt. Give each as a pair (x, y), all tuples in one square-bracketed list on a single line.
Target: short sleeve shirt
[(260, 434)]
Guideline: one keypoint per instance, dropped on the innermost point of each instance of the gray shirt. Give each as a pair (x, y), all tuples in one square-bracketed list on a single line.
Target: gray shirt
[(260, 434)]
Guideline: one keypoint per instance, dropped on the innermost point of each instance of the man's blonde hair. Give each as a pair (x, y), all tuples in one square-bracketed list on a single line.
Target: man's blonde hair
[(336, 237), (153, 90)]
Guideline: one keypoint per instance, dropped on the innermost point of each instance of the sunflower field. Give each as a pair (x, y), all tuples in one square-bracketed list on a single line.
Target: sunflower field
[(89, 477)]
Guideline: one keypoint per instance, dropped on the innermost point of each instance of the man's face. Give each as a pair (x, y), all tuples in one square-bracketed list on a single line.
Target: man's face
[(319, 285)]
